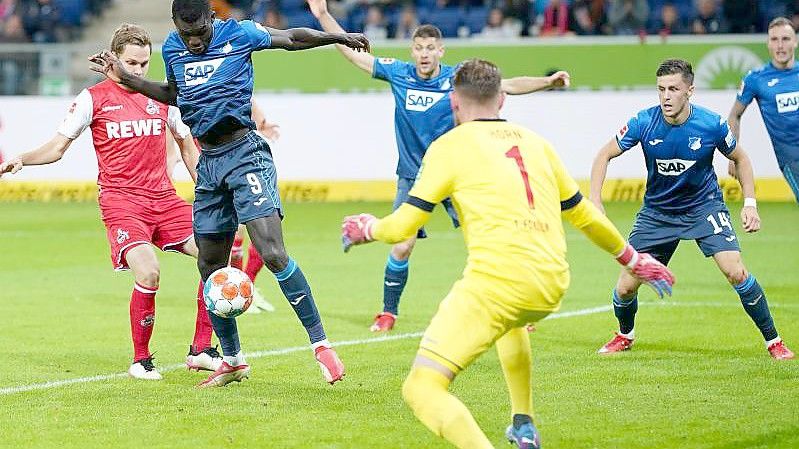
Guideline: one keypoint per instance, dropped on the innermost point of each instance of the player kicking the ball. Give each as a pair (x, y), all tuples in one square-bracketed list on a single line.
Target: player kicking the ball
[(138, 202), (510, 189), (683, 200), (210, 77)]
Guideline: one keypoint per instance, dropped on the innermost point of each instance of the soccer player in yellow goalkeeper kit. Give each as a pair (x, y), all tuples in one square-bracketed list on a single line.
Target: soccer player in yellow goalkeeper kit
[(509, 189)]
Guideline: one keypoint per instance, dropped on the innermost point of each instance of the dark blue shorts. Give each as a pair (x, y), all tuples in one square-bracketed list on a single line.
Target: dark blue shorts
[(404, 187), (236, 183), (791, 173), (659, 234)]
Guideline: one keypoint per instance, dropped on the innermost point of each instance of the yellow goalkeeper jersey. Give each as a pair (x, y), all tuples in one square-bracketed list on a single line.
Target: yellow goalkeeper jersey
[(508, 186)]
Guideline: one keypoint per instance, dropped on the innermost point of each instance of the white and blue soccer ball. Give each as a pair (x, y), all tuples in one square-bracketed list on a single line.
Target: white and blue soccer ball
[(228, 292)]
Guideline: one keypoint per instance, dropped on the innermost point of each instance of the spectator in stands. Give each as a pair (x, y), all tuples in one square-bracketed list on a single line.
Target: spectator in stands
[(374, 25), (708, 19), (628, 16), (274, 19), (587, 17), (497, 27), (519, 11), (7, 8), (740, 15), (669, 22), (11, 30), (556, 19), (406, 23), (41, 21)]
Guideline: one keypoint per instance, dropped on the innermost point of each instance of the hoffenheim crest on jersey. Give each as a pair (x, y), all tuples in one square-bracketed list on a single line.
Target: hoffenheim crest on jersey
[(694, 143), (152, 108)]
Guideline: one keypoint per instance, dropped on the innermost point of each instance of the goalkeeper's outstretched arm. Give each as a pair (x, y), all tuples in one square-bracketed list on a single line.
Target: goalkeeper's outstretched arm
[(401, 225)]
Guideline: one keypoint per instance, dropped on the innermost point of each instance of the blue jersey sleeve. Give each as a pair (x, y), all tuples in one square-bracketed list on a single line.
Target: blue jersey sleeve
[(167, 52), (387, 68), (725, 141), (747, 92), (258, 35), (630, 134)]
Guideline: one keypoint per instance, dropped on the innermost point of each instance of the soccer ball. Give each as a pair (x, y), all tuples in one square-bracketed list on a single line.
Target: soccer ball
[(228, 292)]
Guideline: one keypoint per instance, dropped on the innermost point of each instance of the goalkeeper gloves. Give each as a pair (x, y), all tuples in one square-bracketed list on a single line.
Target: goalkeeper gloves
[(647, 270), (357, 230)]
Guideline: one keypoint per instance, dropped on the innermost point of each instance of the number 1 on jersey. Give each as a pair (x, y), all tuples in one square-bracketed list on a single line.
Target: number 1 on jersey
[(514, 153)]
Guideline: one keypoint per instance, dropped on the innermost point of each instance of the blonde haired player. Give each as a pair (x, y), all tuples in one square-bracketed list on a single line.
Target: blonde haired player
[(138, 204), (509, 189)]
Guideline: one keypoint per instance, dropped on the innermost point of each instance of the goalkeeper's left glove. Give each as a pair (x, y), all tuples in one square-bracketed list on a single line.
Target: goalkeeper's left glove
[(647, 270), (357, 230)]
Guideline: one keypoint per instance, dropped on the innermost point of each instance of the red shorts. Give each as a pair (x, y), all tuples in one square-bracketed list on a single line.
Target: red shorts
[(132, 220)]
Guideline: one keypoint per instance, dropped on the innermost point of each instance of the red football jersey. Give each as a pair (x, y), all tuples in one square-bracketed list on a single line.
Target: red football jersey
[(129, 134)]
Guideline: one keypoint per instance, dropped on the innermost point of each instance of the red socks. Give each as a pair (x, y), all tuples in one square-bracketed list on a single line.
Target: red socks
[(237, 253), (202, 326), (254, 263), (142, 319)]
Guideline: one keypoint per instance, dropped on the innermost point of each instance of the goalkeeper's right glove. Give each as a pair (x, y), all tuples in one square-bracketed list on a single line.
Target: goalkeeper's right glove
[(647, 270), (356, 230)]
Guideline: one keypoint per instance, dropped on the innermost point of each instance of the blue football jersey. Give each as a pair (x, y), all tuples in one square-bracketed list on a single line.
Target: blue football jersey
[(679, 158), (216, 86), (777, 95), (422, 110)]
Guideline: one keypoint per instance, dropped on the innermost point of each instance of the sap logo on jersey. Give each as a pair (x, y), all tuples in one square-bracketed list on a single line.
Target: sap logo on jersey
[(673, 167), (135, 128), (419, 100), (197, 73), (787, 102)]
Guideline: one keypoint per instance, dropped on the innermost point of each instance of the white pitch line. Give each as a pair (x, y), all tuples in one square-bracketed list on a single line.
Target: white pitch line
[(277, 352)]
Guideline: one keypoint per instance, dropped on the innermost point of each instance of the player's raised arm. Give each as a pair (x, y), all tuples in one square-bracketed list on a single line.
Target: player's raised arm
[(529, 84), (363, 60), (108, 64), (304, 38)]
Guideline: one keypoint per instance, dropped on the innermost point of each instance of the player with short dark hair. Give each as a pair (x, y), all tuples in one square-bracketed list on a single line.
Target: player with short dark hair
[(422, 113), (775, 86), (683, 200), (210, 77), (138, 203), (511, 190)]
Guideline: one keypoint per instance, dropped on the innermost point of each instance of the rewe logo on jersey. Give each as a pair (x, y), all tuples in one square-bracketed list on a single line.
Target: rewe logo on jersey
[(134, 128), (787, 102), (196, 73), (673, 167), (419, 100)]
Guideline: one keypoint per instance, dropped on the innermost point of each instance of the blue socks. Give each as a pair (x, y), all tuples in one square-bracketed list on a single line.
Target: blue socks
[(394, 283), (298, 293), (227, 333), (625, 310), (754, 301)]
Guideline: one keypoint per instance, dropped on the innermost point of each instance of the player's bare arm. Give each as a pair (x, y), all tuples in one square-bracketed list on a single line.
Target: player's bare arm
[(304, 38), (189, 153), (745, 174), (734, 121), (108, 64), (599, 170), (529, 84), (363, 60), (48, 153)]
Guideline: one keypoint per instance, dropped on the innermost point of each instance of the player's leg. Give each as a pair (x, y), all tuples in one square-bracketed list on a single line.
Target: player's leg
[(791, 173), (215, 224), (174, 232), (253, 182), (753, 299), (651, 234), (251, 269), (516, 359), (142, 261), (267, 235), (444, 352)]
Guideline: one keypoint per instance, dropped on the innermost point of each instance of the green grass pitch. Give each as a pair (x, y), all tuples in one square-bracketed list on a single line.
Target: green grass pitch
[(698, 377)]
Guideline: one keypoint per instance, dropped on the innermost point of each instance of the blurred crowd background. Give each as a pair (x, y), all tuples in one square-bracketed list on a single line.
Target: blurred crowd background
[(46, 21)]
